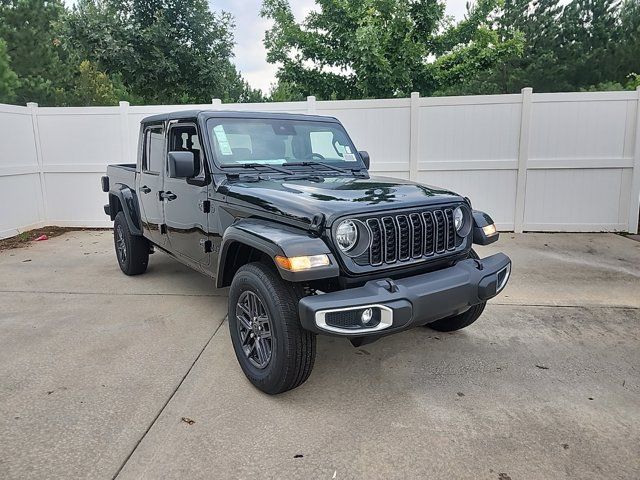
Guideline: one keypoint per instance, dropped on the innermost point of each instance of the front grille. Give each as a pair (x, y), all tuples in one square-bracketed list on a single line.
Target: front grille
[(410, 236)]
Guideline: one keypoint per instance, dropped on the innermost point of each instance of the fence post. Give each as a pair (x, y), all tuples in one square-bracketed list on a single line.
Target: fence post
[(311, 105), (124, 132), (634, 200), (414, 136), (216, 102), (523, 159), (33, 109)]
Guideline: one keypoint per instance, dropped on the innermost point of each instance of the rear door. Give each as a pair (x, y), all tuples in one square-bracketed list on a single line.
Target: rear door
[(184, 204), (150, 182)]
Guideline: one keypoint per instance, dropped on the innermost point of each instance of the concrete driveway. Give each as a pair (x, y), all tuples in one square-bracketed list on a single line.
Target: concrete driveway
[(106, 376)]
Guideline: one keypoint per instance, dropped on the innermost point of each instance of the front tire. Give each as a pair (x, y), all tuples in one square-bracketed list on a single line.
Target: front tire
[(275, 353), (132, 251), (463, 320)]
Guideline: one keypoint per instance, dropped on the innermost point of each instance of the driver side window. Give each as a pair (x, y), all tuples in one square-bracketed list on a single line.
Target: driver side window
[(184, 138), (324, 144)]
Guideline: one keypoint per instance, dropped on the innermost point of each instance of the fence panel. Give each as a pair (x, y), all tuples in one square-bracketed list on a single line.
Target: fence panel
[(546, 162), (470, 145), (21, 205), (580, 162)]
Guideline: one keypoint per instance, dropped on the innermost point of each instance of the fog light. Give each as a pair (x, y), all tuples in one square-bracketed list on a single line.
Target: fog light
[(367, 316)]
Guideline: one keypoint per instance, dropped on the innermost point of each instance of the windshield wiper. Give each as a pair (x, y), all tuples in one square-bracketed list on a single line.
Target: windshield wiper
[(310, 164), (256, 166)]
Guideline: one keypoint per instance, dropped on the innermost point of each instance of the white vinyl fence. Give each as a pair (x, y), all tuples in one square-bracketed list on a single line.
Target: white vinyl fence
[(566, 162)]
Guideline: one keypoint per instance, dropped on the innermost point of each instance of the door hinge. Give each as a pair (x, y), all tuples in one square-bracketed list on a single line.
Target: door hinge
[(206, 245), (205, 206)]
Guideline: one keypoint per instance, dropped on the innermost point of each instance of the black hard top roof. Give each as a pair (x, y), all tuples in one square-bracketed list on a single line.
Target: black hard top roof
[(186, 114)]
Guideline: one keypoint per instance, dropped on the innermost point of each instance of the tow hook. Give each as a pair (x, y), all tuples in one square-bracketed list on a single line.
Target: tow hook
[(388, 285)]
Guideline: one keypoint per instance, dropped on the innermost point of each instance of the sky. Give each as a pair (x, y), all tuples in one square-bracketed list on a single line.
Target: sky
[(250, 54)]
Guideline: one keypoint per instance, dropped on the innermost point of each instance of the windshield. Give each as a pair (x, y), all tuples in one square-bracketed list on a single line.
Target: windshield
[(275, 142)]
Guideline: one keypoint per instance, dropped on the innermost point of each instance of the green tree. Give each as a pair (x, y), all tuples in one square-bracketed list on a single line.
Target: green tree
[(628, 51), (165, 51), (581, 45), (8, 78), (28, 28), (590, 37), (539, 67), (382, 48), (283, 92), (93, 87)]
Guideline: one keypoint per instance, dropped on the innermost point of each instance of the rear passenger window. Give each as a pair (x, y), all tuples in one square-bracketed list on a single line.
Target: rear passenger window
[(153, 150)]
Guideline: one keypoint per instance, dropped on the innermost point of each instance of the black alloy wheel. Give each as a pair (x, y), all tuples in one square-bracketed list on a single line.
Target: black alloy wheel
[(254, 329), (121, 245)]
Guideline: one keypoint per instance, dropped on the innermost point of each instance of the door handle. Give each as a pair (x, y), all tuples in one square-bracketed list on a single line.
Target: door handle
[(145, 189), (168, 196)]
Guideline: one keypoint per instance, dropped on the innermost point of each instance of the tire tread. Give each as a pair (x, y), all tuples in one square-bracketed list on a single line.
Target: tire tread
[(137, 248), (300, 343)]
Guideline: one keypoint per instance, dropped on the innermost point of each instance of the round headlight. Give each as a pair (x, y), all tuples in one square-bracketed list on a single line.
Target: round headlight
[(458, 218), (346, 235)]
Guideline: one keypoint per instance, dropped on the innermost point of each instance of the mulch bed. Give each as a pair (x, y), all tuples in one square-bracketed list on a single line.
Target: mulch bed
[(25, 238)]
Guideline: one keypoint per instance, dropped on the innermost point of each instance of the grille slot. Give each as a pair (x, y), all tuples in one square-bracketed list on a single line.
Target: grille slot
[(429, 233), (390, 239), (417, 232), (410, 236), (440, 231), (451, 231), (375, 252), (404, 240)]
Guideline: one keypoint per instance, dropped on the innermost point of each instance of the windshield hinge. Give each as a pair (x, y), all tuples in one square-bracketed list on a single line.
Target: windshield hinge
[(317, 223)]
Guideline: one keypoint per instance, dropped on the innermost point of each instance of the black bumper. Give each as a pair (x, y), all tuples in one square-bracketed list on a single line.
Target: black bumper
[(412, 301)]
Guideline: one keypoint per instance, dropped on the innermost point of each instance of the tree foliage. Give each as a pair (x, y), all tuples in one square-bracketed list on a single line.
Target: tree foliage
[(387, 48), (179, 51), (8, 78), (383, 48), (102, 51), (584, 44), (28, 28), (94, 87), (166, 51)]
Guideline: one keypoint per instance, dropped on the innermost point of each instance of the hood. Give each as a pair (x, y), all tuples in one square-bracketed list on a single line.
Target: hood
[(302, 200)]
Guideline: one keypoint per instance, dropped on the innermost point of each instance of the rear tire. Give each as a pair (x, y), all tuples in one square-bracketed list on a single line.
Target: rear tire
[(458, 322), (132, 251), (273, 326)]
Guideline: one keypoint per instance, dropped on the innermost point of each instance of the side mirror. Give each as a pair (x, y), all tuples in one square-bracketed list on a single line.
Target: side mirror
[(182, 165), (365, 158), (484, 229)]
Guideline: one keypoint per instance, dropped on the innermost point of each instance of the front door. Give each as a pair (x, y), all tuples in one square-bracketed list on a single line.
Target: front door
[(150, 181), (184, 199)]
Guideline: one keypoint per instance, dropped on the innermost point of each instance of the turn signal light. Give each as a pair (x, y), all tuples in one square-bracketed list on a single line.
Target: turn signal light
[(297, 264), (489, 229)]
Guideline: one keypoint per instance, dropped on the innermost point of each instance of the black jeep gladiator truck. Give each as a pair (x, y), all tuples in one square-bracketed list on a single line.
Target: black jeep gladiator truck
[(281, 209)]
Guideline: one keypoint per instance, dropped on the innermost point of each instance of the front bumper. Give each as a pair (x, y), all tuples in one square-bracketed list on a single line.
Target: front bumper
[(411, 301)]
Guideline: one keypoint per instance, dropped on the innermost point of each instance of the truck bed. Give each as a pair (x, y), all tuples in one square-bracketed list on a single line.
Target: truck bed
[(124, 173)]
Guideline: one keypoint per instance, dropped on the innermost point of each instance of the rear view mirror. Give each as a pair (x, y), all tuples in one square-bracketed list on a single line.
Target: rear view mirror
[(182, 165), (365, 158)]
